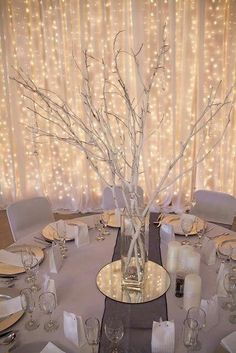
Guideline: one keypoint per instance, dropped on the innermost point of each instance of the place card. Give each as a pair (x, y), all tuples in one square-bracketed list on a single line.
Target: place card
[(211, 308), (167, 233), (81, 235), (55, 258), (163, 337), (74, 329), (50, 286), (51, 348)]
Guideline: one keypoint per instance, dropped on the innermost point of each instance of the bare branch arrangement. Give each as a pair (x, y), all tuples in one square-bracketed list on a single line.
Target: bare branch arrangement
[(94, 133)]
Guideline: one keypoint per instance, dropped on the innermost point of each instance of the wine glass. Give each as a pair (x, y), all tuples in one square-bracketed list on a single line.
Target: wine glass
[(105, 221), (47, 303), (190, 333), (200, 231), (187, 226), (199, 315), (230, 287), (35, 287), (60, 237), (99, 228), (28, 304), (92, 332), (114, 330), (27, 261)]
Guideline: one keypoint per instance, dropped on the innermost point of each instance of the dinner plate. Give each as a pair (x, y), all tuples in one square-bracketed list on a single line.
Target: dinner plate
[(6, 322), (6, 269), (224, 247), (50, 234), (175, 221), (113, 222)]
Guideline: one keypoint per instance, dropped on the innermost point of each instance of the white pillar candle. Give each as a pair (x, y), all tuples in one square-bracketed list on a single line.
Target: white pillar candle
[(172, 256), (192, 290), (193, 262), (184, 254)]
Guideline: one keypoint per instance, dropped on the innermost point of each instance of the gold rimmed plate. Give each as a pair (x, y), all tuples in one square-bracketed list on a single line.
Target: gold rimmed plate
[(175, 221), (225, 247), (6, 269), (8, 321), (113, 222), (50, 234)]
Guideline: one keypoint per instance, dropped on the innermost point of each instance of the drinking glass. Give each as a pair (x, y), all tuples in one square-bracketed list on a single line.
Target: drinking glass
[(99, 228), (60, 237), (187, 226), (27, 261), (105, 221), (47, 303), (114, 330), (230, 287), (200, 232), (28, 304), (199, 315), (35, 287), (190, 333), (92, 332)]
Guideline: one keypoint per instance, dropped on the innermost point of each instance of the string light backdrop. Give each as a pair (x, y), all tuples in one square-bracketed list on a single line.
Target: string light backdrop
[(42, 37)]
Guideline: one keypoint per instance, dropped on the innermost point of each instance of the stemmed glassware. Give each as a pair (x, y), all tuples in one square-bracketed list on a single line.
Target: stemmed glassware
[(35, 287), (27, 261), (92, 332), (28, 304), (190, 334), (105, 221), (47, 303), (230, 287), (187, 226), (114, 330), (200, 231), (60, 237), (99, 228), (198, 314)]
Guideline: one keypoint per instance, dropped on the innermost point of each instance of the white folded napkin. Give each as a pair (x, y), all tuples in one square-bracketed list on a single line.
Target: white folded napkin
[(51, 348), (81, 234), (55, 258), (50, 286), (10, 258), (10, 306), (74, 329), (163, 337), (167, 233), (220, 289), (208, 251), (211, 308), (229, 342)]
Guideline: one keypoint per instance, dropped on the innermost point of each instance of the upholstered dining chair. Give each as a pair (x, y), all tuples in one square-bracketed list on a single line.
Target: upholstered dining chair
[(214, 206), (108, 201), (29, 216)]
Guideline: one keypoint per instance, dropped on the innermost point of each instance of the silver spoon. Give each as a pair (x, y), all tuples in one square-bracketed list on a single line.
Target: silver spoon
[(8, 339)]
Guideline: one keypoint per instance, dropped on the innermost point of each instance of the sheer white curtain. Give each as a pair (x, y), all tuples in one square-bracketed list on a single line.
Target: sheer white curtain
[(43, 36)]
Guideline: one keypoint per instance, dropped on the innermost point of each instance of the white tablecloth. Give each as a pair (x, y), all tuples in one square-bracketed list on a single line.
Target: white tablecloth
[(77, 292)]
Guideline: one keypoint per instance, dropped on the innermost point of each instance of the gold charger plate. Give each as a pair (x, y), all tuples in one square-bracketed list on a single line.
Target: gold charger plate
[(156, 283), (6, 322), (113, 221), (6, 269), (224, 247), (50, 234), (174, 220)]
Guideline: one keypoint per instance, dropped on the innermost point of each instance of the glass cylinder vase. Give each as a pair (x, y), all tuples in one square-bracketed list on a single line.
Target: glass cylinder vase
[(134, 248)]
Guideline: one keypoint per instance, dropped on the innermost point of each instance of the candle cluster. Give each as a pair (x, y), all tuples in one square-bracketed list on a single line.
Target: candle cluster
[(43, 36)]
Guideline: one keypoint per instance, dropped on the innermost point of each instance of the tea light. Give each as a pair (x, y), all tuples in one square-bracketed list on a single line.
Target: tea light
[(172, 256), (192, 291), (184, 255)]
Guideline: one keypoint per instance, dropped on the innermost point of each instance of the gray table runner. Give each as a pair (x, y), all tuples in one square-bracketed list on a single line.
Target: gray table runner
[(137, 318)]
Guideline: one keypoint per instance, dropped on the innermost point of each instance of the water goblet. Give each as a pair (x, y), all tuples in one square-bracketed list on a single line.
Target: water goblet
[(200, 231), (99, 228), (187, 226), (230, 287), (190, 333), (60, 237), (199, 315), (35, 287), (27, 261), (28, 304), (47, 303), (105, 221), (92, 332), (114, 330)]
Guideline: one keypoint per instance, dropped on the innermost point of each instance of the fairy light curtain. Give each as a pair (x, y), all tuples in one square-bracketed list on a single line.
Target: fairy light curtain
[(43, 36)]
